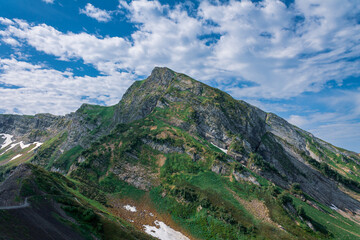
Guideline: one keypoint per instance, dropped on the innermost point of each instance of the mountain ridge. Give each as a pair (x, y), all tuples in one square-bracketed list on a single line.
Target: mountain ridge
[(168, 130)]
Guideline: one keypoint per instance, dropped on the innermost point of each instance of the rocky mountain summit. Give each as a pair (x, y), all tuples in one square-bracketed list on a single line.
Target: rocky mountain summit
[(200, 160)]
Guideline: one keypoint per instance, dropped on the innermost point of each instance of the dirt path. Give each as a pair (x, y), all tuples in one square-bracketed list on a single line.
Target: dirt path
[(26, 204)]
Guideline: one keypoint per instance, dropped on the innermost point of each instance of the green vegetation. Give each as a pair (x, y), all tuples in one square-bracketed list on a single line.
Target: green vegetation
[(111, 184), (68, 158), (337, 226), (237, 146), (334, 165), (200, 201), (98, 115), (48, 151), (167, 153), (257, 160), (91, 216), (329, 172)]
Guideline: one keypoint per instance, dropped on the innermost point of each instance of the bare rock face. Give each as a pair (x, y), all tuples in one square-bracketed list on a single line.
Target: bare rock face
[(10, 188), (136, 175), (142, 97), (165, 148), (218, 118), (31, 128)]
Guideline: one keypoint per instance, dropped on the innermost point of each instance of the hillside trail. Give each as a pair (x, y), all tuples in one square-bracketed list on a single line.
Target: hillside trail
[(26, 204)]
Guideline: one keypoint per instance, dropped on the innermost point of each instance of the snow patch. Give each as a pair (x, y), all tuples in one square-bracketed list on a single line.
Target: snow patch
[(37, 145), (8, 140), (224, 150), (21, 144), (333, 207), (164, 232), (17, 156), (130, 208)]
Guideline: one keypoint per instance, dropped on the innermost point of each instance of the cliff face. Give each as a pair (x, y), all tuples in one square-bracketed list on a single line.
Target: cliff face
[(170, 128), (243, 129), (33, 128)]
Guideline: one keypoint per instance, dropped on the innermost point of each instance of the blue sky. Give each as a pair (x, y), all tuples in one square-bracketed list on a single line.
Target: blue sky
[(298, 59)]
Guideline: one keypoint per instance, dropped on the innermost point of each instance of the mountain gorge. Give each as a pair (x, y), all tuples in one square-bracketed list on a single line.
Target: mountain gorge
[(174, 159)]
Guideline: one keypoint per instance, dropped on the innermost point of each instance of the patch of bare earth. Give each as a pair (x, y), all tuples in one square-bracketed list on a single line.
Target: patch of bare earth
[(161, 159), (257, 208), (165, 134), (153, 128), (355, 217), (145, 214), (349, 215), (350, 193)]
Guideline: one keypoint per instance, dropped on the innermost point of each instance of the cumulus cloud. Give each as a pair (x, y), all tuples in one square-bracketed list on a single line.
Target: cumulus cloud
[(10, 41), (286, 51), (282, 51), (253, 50), (101, 52), (38, 88), (96, 13)]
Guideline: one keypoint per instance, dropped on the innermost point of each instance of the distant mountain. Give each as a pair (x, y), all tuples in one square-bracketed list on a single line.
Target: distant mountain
[(175, 159)]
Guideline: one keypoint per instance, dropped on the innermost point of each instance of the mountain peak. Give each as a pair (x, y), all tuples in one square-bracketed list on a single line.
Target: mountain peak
[(190, 145), (161, 75), (141, 98)]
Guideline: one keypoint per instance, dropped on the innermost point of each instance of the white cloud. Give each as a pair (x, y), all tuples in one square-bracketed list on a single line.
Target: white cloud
[(104, 53), (345, 135), (48, 90), (275, 51), (259, 43), (10, 41), (299, 121), (96, 13), (48, 1), (340, 127), (295, 57), (337, 128), (5, 21)]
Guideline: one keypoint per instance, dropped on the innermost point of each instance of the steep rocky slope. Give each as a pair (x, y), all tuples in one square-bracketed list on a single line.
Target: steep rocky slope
[(182, 148), (225, 122)]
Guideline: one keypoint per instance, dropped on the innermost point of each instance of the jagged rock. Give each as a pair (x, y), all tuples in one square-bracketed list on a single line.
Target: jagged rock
[(245, 176), (219, 169), (136, 175), (163, 147)]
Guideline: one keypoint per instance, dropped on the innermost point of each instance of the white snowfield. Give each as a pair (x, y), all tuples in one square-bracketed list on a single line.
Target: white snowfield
[(164, 232), (8, 140), (17, 156), (224, 150), (21, 144), (130, 208), (37, 145), (333, 207)]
